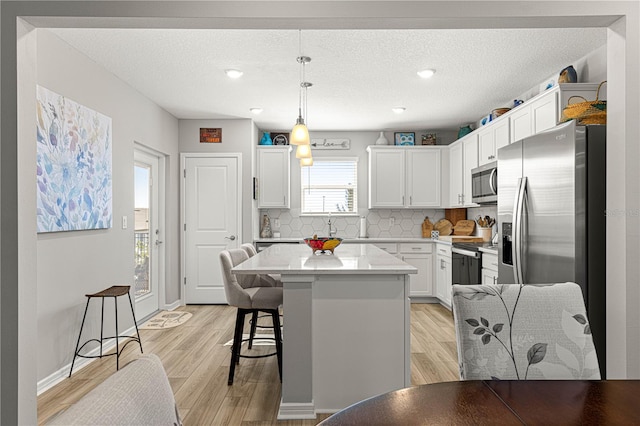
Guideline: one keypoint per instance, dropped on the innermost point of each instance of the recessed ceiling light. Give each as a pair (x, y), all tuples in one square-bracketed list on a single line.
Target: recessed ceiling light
[(256, 110), (398, 109), (426, 73), (233, 73)]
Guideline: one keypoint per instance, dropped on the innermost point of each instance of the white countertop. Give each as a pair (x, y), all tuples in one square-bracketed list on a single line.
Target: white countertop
[(354, 240), (298, 259)]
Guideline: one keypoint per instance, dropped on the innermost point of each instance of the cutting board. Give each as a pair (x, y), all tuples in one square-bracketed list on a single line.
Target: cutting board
[(464, 227), (443, 226)]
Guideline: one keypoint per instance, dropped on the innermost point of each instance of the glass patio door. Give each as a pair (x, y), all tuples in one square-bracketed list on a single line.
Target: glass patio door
[(147, 238)]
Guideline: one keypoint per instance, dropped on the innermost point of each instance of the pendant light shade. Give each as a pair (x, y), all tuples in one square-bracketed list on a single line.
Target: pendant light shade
[(306, 162), (300, 132), (303, 151)]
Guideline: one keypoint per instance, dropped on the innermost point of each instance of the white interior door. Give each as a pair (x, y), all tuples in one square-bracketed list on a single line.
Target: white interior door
[(211, 212), (148, 251)]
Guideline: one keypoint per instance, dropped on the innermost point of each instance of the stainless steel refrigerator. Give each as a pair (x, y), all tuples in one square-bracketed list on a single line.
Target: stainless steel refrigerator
[(551, 215)]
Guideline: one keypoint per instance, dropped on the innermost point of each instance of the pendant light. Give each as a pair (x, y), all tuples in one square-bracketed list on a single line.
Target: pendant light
[(300, 132), (306, 162), (303, 151)]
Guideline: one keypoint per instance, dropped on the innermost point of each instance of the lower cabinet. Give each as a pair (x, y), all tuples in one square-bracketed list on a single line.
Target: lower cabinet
[(443, 274), (419, 255), (489, 268)]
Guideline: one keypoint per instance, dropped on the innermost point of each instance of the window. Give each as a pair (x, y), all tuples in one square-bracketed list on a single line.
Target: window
[(330, 185)]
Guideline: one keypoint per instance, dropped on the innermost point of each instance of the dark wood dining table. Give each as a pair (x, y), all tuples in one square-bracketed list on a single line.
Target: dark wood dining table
[(484, 402)]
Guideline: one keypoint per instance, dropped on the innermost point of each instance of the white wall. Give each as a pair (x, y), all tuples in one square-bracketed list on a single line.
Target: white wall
[(238, 136), (72, 264)]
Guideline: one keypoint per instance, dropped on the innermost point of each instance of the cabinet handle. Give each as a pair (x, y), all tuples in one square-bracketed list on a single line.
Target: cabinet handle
[(403, 200), (410, 200), (441, 263), (495, 279), (494, 264), (462, 196), (415, 248), (284, 199)]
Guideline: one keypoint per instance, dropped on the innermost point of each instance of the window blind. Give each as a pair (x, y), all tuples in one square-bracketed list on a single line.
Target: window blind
[(330, 186)]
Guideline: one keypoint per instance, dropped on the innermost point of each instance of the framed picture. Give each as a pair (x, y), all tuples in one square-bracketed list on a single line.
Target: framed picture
[(280, 138), (403, 138), (210, 135)]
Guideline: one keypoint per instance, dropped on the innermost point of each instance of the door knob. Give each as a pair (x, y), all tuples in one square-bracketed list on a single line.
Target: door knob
[(233, 237), (158, 242)]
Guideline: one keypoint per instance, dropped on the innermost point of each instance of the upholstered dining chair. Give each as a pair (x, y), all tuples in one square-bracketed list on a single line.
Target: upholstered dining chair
[(250, 295), (523, 332)]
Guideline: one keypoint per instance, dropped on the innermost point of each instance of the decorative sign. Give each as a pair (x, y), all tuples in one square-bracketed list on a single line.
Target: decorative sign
[(331, 143), (73, 165), (280, 138), (404, 138), (210, 135)]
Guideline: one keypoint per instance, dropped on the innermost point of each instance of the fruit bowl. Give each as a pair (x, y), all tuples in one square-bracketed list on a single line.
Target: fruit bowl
[(323, 244)]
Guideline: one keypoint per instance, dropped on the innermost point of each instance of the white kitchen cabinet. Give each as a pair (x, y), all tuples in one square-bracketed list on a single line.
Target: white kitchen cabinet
[(423, 177), (274, 176), (491, 139), (455, 174), (544, 111), (520, 123), (489, 268), (463, 156), (404, 177), (443, 274), (420, 256)]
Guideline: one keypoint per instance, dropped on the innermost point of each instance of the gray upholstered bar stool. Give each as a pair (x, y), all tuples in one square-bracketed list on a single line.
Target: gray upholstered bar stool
[(250, 295), (271, 279)]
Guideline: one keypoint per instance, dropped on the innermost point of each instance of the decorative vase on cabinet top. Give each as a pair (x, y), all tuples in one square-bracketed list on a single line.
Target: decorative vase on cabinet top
[(382, 140), (266, 139), (465, 130)]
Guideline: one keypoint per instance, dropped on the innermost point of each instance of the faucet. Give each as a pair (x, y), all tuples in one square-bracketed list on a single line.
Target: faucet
[(332, 232)]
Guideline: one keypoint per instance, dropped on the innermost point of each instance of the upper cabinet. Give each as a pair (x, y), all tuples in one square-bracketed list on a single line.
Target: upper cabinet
[(463, 156), (490, 139), (544, 111), (274, 176), (404, 177)]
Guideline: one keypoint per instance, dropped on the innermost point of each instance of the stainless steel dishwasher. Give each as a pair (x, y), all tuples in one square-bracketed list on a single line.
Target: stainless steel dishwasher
[(466, 264)]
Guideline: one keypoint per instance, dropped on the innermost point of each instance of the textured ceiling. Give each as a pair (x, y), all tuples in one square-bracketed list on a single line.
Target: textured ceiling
[(357, 75)]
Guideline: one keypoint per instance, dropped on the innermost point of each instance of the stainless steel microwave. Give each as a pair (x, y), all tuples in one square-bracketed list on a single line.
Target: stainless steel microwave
[(484, 184)]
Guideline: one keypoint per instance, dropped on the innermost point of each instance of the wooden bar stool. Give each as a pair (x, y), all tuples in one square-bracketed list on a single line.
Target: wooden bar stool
[(115, 292)]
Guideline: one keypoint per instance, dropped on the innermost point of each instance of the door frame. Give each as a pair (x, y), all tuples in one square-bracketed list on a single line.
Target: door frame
[(183, 169), (161, 220)]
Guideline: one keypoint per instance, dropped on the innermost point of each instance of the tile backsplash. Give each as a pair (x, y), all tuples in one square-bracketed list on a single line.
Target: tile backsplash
[(380, 223)]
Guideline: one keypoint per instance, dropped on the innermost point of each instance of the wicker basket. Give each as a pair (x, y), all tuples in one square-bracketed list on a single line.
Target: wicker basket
[(586, 112)]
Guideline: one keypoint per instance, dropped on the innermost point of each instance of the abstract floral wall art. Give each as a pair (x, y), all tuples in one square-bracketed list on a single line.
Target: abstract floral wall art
[(73, 165)]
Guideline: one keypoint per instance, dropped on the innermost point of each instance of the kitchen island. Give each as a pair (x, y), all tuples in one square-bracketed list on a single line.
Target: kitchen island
[(346, 324)]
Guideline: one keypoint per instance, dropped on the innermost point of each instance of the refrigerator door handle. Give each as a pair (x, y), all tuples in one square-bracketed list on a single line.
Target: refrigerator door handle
[(517, 231)]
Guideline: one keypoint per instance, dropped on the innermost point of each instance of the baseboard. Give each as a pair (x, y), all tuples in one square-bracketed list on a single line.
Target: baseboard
[(63, 373), (296, 410), (173, 306)]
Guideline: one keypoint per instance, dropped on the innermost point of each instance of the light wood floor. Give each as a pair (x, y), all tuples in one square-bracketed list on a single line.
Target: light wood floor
[(197, 363)]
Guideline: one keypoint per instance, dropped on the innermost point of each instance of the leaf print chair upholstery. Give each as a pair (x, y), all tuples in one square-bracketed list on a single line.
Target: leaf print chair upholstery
[(523, 332)]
